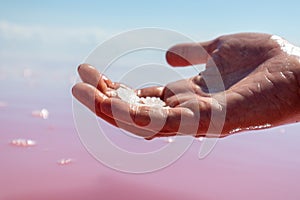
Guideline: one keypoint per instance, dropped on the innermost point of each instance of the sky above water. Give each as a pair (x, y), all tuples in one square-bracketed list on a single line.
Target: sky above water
[(37, 33)]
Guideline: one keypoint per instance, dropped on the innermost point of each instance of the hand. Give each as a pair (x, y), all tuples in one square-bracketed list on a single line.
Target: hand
[(260, 89)]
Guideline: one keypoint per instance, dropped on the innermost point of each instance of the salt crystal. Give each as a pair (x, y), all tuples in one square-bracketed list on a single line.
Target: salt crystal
[(153, 101), (44, 113), (128, 95), (23, 142), (64, 161)]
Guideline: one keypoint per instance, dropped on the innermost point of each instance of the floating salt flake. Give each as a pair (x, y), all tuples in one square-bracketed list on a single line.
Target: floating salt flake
[(23, 142), (65, 161), (44, 113)]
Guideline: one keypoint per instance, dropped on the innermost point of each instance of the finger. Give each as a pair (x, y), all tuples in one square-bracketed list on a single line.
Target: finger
[(136, 119), (190, 53), (86, 94), (162, 135), (176, 100), (150, 91), (90, 75)]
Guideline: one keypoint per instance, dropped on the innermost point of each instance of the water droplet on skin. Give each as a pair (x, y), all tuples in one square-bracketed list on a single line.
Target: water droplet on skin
[(65, 161), (250, 128), (259, 127), (44, 113), (235, 130), (23, 142)]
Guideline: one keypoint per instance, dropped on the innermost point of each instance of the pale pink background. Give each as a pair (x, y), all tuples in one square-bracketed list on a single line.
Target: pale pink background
[(253, 165)]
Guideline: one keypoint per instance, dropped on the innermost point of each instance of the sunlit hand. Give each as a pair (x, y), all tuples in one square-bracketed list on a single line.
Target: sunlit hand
[(260, 88)]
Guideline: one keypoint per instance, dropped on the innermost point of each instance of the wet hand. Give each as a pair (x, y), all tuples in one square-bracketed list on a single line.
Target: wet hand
[(259, 88)]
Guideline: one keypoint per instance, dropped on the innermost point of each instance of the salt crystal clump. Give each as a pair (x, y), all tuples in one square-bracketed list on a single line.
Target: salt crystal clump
[(152, 101), (23, 142), (44, 113), (64, 161), (128, 95)]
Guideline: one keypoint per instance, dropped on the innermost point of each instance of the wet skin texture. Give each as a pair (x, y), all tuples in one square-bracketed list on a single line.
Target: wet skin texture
[(260, 85)]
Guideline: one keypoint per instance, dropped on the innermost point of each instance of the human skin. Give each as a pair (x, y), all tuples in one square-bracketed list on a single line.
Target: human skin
[(260, 88)]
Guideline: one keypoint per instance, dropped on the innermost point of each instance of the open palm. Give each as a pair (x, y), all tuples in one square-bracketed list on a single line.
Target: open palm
[(249, 82)]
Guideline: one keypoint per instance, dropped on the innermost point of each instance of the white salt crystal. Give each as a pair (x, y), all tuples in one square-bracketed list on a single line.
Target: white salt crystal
[(44, 113), (23, 142), (128, 95), (64, 161)]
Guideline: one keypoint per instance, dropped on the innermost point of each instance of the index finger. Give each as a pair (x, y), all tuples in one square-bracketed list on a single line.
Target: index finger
[(190, 53), (87, 95), (92, 76), (154, 91)]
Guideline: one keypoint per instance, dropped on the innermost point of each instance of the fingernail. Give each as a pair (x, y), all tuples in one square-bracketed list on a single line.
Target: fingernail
[(80, 66)]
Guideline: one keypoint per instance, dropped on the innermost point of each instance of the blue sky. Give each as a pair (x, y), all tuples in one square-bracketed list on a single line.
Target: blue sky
[(66, 31)]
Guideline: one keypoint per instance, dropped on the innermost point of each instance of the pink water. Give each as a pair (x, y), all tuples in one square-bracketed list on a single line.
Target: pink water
[(254, 165)]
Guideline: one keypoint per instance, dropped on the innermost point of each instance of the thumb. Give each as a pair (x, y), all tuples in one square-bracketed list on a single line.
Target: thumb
[(190, 53)]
